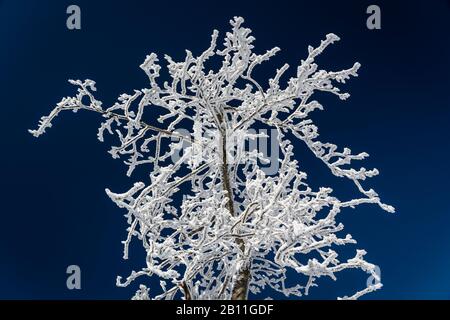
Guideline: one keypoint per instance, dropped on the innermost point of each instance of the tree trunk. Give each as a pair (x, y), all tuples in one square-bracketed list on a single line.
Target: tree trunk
[(240, 286)]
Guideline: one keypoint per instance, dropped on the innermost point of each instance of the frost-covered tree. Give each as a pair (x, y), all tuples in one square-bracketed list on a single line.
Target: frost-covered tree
[(237, 228)]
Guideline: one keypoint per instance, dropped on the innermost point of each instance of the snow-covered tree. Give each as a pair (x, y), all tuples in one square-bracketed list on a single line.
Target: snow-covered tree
[(237, 228)]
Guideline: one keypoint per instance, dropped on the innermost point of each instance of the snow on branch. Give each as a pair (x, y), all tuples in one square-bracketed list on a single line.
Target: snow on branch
[(235, 225)]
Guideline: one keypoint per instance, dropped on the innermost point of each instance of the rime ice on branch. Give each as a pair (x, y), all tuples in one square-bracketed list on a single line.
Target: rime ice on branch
[(237, 230)]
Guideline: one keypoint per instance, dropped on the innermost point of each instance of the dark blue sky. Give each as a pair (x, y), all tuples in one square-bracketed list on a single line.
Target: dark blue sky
[(55, 211)]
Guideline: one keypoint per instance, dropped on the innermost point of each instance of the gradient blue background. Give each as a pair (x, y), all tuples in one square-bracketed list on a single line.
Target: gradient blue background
[(54, 210)]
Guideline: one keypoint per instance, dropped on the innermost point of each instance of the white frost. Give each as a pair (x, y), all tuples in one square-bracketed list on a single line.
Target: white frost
[(283, 223)]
